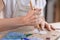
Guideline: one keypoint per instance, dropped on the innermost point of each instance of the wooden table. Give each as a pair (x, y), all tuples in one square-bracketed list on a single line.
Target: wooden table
[(52, 34)]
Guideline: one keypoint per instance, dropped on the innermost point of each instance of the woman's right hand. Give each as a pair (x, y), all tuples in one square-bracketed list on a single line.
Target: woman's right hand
[(30, 19)]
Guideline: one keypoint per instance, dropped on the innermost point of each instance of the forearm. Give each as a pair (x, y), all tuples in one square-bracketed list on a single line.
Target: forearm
[(11, 23)]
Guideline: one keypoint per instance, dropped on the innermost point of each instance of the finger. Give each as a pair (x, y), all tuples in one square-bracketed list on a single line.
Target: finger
[(52, 27), (31, 24), (33, 21), (37, 12), (37, 26), (30, 13), (42, 25), (37, 9), (47, 26), (32, 17), (38, 22)]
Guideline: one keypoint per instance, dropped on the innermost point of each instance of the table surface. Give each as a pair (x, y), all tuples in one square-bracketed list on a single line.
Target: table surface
[(57, 33)]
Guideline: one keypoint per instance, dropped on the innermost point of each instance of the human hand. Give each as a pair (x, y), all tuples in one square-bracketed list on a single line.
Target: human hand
[(30, 19), (44, 25)]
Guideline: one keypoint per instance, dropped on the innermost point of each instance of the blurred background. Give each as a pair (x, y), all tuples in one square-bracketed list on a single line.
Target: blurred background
[(52, 11)]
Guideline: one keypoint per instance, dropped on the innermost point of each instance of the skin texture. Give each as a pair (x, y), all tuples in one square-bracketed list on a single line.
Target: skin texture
[(29, 20), (12, 23)]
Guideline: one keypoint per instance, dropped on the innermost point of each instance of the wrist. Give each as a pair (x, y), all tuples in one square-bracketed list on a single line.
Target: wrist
[(20, 21)]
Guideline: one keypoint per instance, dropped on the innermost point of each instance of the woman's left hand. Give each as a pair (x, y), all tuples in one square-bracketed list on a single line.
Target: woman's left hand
[(44, 25)]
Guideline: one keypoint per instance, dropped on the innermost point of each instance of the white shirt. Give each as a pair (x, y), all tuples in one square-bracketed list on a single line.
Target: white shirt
[(20, 8)]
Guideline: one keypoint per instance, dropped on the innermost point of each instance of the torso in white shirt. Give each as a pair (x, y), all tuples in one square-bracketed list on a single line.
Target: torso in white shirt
[(21, 7)]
